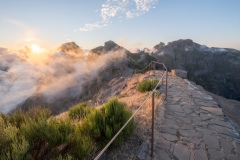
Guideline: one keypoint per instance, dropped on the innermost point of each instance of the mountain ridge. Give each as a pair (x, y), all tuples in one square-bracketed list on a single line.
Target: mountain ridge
[(68, 79), (213, 68)]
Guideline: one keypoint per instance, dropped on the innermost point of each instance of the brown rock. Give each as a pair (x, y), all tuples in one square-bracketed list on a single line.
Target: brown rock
[(215, 155), (196, 141), (162, 155), (179, 73), (221, 123), (226, 145), (190, 133), (175, 108), (211, 141), (181, 152), (168, 130), (233, 157), (169, 137), (171, 124), (204, 116), (213, 110), (200, 155)]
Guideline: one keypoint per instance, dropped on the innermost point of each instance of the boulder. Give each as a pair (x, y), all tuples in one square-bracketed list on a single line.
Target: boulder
[(179, 73)]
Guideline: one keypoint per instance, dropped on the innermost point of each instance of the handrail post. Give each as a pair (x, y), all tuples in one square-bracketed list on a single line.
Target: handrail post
[(148, 69), (152, 124), (166, 84), (162, 73), (154, 69)]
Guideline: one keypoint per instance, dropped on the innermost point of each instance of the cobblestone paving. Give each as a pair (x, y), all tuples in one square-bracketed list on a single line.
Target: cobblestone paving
[(194, 127)]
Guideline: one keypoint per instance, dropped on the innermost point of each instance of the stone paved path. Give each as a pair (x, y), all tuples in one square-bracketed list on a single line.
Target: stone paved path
[(194, 127)]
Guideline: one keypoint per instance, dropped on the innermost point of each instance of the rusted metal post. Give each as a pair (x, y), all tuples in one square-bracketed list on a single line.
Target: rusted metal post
[(154, 69), (166, 84), (162, 73), (152, 124), (148, 69)]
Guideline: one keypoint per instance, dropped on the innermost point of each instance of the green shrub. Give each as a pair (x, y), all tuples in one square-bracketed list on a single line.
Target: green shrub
[(19, 117), (80, 111), (81, 144), (147, 85), (66, 157), (12, 144), (103, 124), (33, 135), (47, 139), (38, 112)]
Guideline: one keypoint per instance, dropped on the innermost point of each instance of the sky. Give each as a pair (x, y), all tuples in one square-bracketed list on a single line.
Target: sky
[(130, 23)]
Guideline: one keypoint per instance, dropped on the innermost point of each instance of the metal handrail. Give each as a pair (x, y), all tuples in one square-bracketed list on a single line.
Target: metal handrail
[(144, 67), (151, 94), (149, 65)]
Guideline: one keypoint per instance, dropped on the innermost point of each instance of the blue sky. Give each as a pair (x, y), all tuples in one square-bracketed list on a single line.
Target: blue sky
[(130, 23)]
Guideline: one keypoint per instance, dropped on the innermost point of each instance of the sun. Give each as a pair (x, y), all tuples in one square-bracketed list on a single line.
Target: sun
[(35, 48)]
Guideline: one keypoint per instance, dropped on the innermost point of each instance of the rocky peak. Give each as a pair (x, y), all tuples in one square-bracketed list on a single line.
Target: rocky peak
[(109, 45), (181, 42), (147, 50), (71, 48), (159, 46), (162, 49)]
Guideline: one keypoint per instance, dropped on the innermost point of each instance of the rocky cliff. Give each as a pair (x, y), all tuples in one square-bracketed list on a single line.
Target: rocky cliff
[(71, 48), (133, 60), (216, 69)]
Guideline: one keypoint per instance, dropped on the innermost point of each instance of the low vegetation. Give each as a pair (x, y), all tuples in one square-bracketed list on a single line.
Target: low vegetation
[(103, 124), (36, 135), (147, 85), (122, 95), (80, 111)]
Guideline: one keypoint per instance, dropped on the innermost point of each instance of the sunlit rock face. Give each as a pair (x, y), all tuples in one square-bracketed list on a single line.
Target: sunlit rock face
[(114, 54), (71, 48), (133, 60), (108, 46)]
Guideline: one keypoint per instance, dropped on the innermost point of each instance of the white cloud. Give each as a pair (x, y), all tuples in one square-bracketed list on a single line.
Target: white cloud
[(60, 77), (120, 8), (113, 7), (89, 27), (144, 5)]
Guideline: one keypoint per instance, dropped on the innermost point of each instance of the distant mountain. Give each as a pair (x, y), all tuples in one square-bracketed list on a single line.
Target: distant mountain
[(216, 69), (79, 79), (135, 60), (70, 48), (108, 46)]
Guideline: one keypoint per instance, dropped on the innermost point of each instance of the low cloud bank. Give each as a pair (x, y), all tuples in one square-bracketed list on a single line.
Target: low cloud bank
[(54, 76)]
